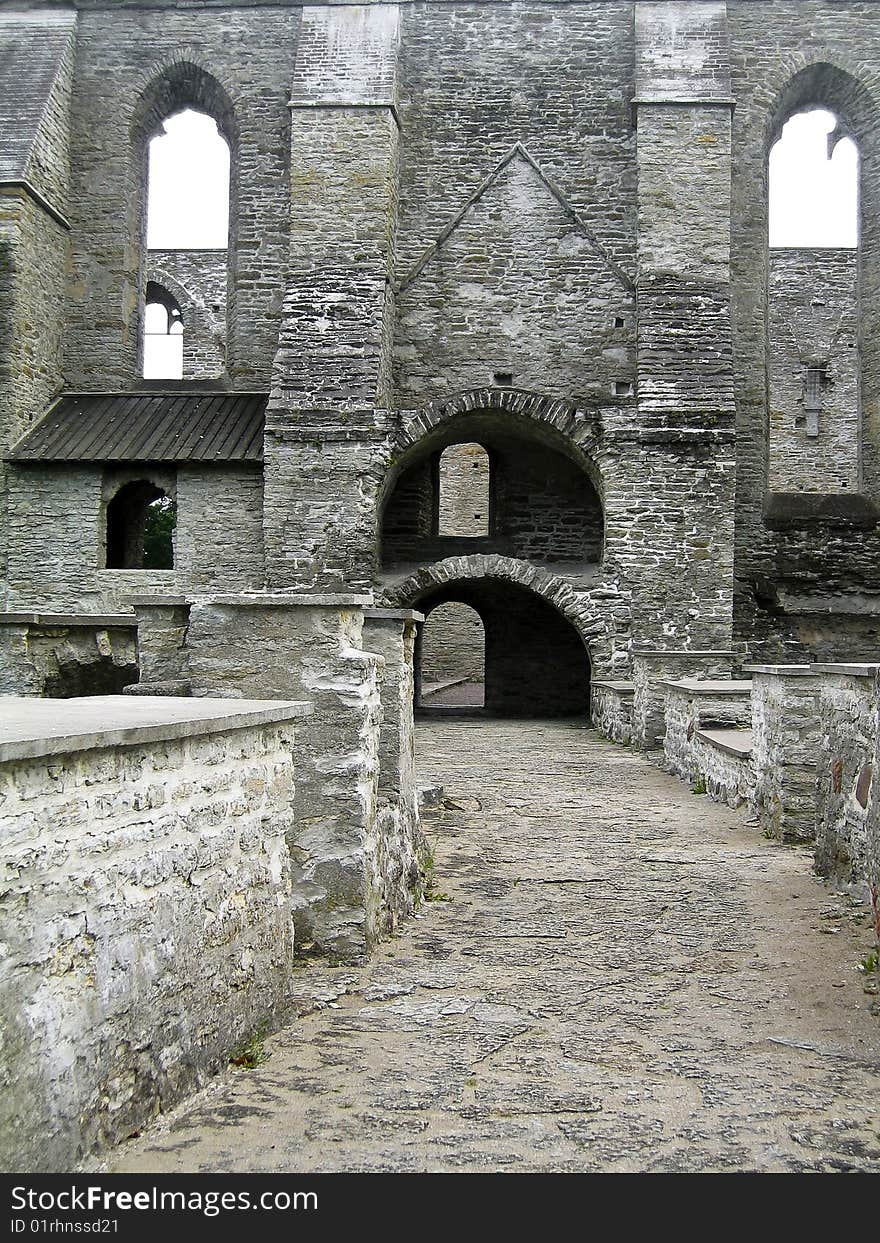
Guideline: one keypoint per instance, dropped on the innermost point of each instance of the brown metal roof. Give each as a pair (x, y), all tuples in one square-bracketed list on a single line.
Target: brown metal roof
[(148, 427)]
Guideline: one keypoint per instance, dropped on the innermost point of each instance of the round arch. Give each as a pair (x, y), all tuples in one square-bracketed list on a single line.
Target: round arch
[(172, 86), (536, 660)]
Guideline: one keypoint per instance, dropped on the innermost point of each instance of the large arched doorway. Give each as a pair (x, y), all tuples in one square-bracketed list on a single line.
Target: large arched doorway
[(536, 664), (492, 482)]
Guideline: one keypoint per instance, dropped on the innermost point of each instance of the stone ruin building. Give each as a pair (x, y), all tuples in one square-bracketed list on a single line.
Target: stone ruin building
[(498, 341)]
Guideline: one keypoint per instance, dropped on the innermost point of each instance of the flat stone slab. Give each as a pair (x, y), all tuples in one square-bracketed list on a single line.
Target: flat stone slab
[(619, 688), (102, 621), (849, 671), (700, 686), (783, 671), (736, 742), (31, 728)]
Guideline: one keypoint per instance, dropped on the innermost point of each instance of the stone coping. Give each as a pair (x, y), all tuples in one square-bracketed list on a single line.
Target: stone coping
[(849, 671), (735, 742), (782, 671), (102, 620), (678, 651), (702, 686), (393, 615), (31, 727), (280, 600), (619, 687)]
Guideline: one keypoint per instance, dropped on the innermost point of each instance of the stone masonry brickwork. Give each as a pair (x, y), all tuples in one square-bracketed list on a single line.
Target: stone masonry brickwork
[(147, 921), (814, 325), (534, 229)]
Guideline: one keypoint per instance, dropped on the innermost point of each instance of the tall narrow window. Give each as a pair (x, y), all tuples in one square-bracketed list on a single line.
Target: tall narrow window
[(188, 185), (163, 335), (187, 236), (812, 314), (463, 507), (814, 183)]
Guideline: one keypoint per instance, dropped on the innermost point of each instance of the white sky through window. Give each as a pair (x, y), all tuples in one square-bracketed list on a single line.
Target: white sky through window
[(813, 200), (188, 194)]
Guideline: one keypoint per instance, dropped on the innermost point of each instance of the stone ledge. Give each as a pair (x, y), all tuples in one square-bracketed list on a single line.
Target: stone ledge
[(272, 600), (699, 686), (393, 615), (849, 671), (783, 671), (735, 742), (619, 687), (34, 728), (100, 620)]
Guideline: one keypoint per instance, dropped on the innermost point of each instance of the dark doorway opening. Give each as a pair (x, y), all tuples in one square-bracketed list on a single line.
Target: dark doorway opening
[(535, 662)]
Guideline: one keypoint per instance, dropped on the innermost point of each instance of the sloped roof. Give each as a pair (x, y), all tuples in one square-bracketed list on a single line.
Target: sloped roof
[(32, 45), (148, 427)]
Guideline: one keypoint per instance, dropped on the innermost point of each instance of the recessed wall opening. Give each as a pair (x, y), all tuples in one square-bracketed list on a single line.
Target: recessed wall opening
[(535, 664), (140, 528), (453, 657), (502, 490), (163, 335), (814, 385), (187, 218), (464, 491)]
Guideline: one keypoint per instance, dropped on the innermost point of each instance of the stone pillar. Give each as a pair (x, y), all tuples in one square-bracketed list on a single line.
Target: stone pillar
[(846, 789), (683, 447), (161, 637), (652, 668), (787, 733), (391, 633), (331, 381)]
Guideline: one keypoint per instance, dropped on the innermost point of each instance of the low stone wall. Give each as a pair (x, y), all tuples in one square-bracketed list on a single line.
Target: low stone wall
[(652, 669), (785, 713), (354, 850), (847, 798), (63, 655), (147, 913), (723, 759), (694, 704), (611, 709)]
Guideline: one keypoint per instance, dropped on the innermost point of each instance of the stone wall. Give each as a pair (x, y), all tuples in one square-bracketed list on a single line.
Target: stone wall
[(813, 323), (846, 827), (786, 56), (652, 669), (725, 765), (786, 722), (131, 62), (694, 705), (350, 882), (197, 280), (453, 645), (57, 536), (611, 706), (66, 656), (147, 908)]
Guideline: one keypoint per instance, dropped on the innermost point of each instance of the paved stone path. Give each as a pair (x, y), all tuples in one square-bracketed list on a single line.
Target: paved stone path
[(627, 977)]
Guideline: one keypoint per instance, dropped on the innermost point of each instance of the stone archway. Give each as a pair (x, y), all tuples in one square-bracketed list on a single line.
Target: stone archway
[(537, 662)]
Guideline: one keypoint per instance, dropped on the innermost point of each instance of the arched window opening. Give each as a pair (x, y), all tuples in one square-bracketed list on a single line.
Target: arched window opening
[(509, 492), (140, 528), (464, 491), (163, 335), (814, 183), (813, 316), (453, 657), (188, 185), (187, 237)]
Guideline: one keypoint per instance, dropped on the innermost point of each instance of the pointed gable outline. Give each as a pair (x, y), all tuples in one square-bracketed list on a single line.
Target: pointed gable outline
[(517, 150)]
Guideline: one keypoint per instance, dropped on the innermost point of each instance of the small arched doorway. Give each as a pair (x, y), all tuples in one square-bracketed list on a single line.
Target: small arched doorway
[(535, 662), (452, 657)]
